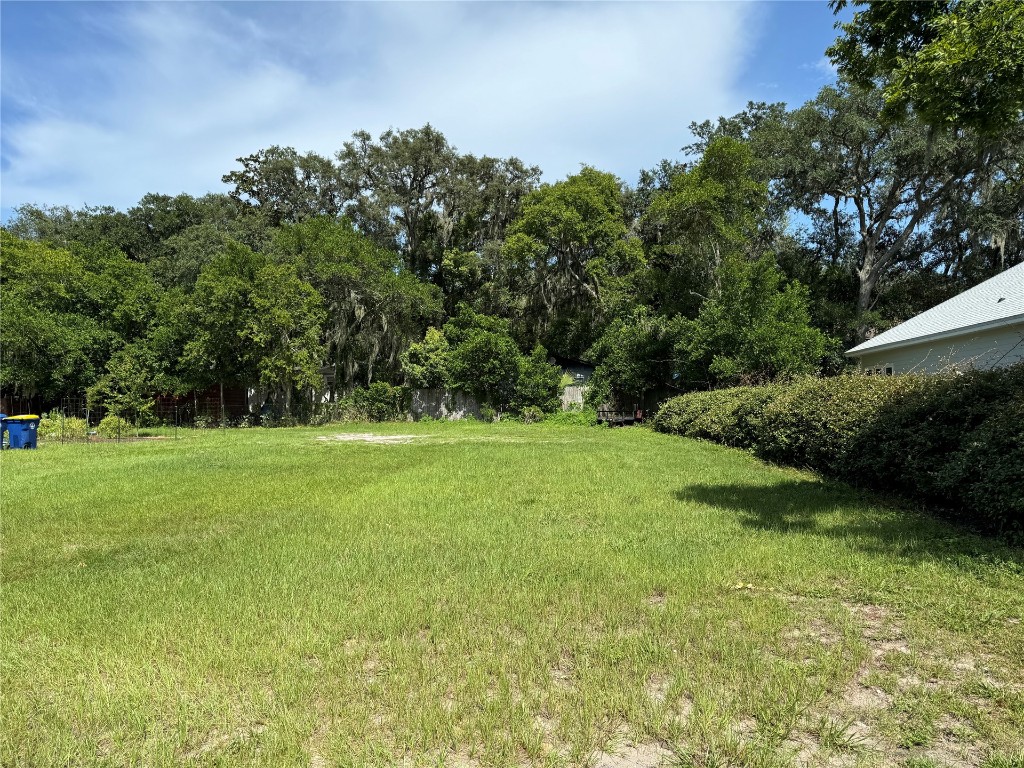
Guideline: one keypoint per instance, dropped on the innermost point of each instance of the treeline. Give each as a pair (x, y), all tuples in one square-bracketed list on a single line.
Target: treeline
[(781, 238)]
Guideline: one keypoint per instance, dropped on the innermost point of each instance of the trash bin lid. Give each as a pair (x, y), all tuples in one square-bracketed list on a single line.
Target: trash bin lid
[(26, 417)]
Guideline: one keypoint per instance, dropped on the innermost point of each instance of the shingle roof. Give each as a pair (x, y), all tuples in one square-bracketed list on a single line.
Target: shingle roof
[(997, 301)]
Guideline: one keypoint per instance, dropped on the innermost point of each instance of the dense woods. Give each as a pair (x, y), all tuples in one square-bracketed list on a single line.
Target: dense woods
[(780, 237)]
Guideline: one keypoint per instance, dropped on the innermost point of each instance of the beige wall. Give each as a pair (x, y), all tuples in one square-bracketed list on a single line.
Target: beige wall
[(995, 347)]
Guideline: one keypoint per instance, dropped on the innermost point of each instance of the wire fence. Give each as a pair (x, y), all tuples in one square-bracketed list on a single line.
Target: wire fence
[(76, 420)]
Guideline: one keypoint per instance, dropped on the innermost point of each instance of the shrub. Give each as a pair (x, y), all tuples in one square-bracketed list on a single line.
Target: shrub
[(378, 402), (476, 354), (67, 428), (954, 442), (538, 384), (531, 415), (114, 426)]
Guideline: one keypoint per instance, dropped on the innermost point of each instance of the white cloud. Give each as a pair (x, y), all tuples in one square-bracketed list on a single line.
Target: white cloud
[(188, 88)]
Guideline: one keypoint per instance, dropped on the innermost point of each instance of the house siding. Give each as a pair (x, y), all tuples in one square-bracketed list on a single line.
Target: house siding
[(990, 348)]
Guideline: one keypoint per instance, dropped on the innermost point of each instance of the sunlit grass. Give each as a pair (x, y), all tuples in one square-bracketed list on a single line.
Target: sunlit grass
[(492, 595)]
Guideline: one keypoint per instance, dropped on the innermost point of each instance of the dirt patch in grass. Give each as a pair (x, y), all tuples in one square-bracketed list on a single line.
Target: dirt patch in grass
[(645, 755), (218, 740), (657, 688), (369, 437)]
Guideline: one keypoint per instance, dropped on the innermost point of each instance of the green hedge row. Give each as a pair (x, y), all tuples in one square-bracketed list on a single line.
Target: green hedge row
[(954, 442)]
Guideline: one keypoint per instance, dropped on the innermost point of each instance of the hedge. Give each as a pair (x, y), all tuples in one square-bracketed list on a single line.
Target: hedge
[(953, 442)]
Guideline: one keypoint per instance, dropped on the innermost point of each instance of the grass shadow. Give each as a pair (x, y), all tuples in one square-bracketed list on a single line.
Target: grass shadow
[(860, 518)]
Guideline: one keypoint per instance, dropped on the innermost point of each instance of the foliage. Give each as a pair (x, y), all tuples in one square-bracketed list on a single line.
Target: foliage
[(285, 186), (58, 427), (250, 320), (476, 354), (426, 363), (113, 426), (577, 417), (377, 402), (375, 308), (708, 212), (757, 329), (531, 414), (537, 383), (127, 388), (317, 274), (571, 243), (64, 312), (414, 193), (954, 442), (634, 354), (955, 62)]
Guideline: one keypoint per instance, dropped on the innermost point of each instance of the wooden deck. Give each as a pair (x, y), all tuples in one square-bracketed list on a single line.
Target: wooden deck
[(620, 418)]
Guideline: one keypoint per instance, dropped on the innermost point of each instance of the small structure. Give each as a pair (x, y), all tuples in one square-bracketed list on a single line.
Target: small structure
[(579, 373), (983, 327)]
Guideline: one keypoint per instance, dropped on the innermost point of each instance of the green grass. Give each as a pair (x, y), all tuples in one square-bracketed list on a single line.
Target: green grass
[(489, 595)]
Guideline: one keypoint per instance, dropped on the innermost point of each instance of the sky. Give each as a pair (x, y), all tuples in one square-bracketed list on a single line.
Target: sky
[(101, 103)]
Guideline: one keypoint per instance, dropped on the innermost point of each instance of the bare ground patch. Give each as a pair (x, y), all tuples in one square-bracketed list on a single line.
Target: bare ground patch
[(218, 740), (644, 755), (369, 437)]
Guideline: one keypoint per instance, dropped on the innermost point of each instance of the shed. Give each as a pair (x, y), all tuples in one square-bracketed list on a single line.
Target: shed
[(579, 372), (983, 327)]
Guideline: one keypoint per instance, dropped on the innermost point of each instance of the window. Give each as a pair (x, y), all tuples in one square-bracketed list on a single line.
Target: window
[(888, 370)]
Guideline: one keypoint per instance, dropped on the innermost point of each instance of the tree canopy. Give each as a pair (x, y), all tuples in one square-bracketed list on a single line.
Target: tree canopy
[(779, 238)]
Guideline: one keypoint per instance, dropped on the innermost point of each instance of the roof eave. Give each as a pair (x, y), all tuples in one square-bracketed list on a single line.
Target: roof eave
[(950, 334)]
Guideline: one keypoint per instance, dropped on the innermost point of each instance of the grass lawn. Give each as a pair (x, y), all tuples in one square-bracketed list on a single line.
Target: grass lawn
[(486, 595)]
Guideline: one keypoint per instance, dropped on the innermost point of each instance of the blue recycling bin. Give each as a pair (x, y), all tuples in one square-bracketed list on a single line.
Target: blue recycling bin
[(22, 431)]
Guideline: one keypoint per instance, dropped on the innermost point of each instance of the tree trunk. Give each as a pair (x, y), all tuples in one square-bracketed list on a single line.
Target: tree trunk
[(867, 277)]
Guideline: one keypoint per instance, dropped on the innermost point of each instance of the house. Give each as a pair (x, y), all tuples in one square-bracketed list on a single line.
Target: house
[(982, 327)]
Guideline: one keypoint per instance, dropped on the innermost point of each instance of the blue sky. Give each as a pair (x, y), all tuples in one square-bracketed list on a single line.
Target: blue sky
[(103, 102)]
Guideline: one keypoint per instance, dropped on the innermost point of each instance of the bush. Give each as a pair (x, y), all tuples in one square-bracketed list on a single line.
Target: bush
[(115, 426), (378, 402), (57, 428), (531, 415), (954, 442)]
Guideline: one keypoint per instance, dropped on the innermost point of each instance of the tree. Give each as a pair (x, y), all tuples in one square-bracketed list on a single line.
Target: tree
[(127, 388), (570, 248), (885, 181), (476, 354), (287, 187), (703, 215), (375, 307), (537, 385), (957, 63), (754, 330), (64, 312), (414, 193), (634, 355), (252, 321), (426, 363)]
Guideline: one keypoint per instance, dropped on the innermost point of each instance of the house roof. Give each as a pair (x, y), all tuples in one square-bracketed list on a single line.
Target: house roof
[(995, 302)]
